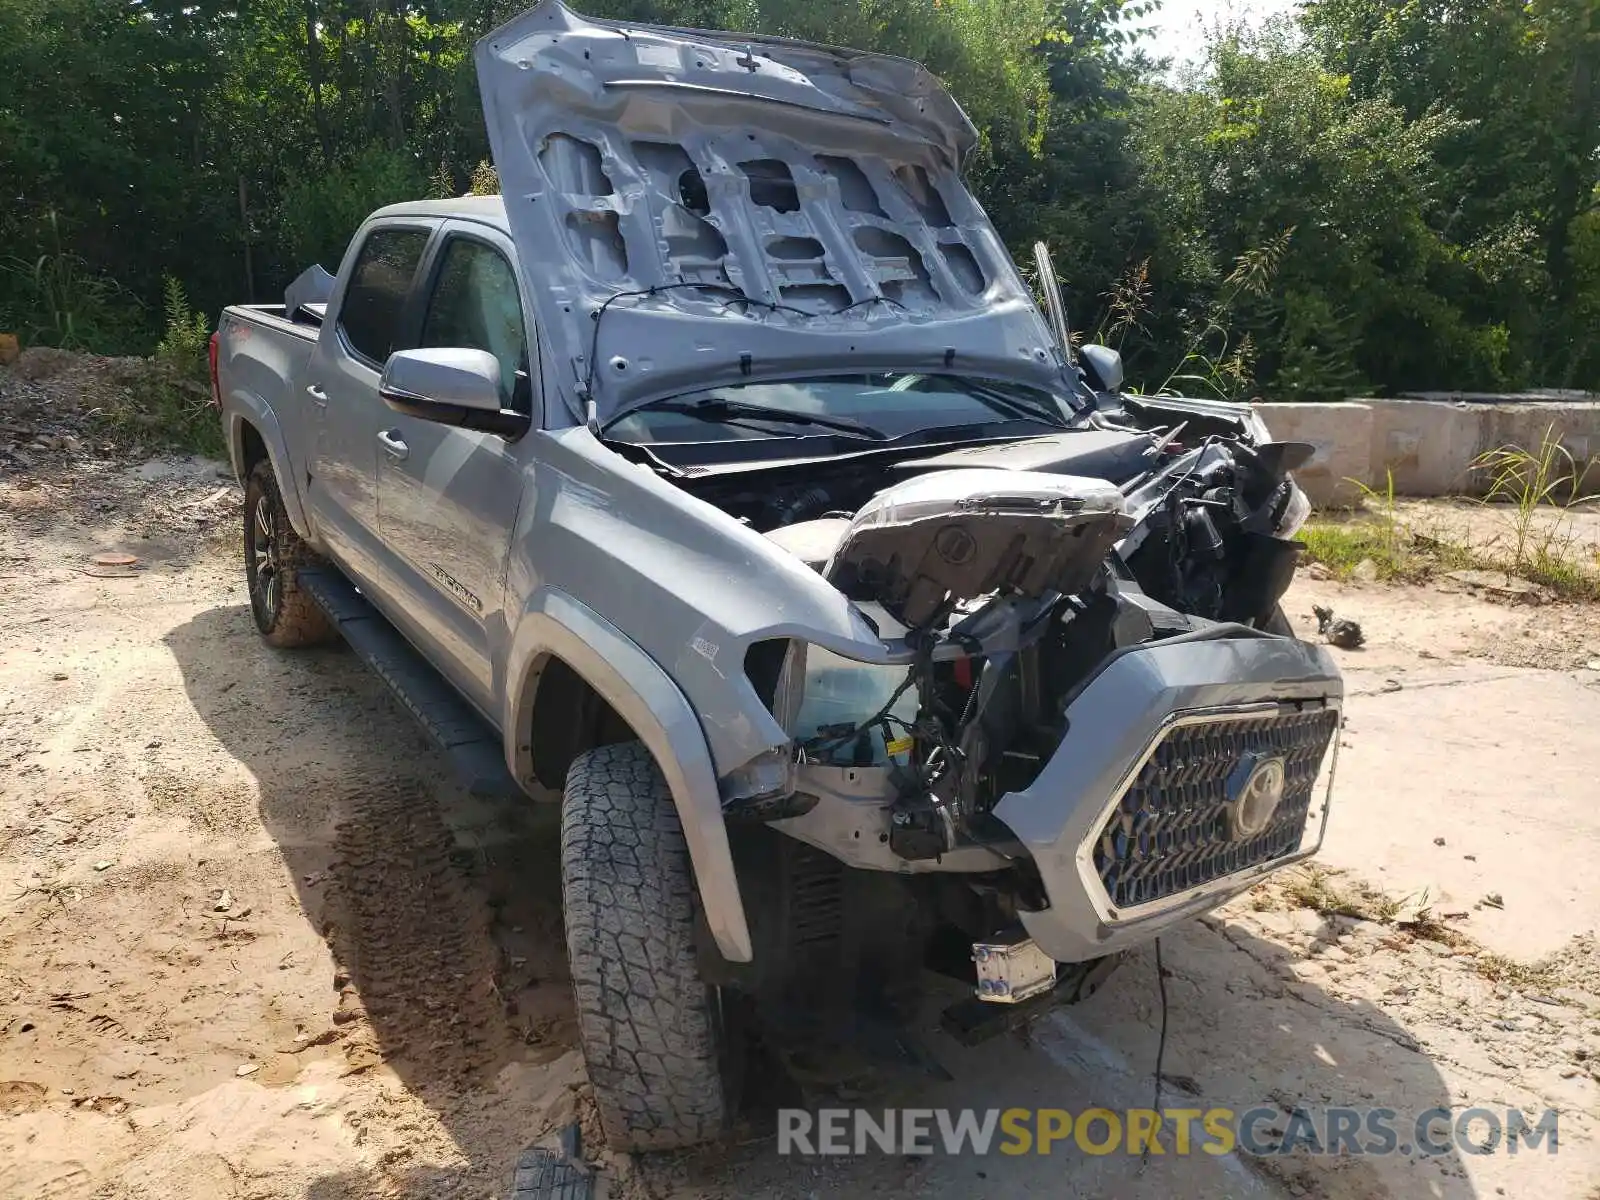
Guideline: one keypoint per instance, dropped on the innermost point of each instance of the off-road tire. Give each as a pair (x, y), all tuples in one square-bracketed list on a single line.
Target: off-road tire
[(284, 614), (648, 1024)]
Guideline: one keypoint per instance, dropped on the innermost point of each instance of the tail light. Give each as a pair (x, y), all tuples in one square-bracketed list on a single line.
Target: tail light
[(213, 348)]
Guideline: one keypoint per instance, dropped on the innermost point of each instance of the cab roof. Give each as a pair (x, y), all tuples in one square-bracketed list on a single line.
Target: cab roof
[(487, 210)]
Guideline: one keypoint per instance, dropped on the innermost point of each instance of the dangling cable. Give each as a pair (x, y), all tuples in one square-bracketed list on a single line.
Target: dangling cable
[(1161, 1053)]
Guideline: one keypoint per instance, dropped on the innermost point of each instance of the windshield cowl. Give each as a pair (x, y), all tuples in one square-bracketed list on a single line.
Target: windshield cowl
[(883, 407)]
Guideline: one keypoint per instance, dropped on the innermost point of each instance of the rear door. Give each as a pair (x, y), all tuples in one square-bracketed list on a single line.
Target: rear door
[(341, 383), (447, 497)]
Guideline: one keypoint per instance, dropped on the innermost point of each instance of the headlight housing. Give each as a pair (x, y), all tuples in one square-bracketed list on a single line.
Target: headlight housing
[(812, 693), (1295, 514), (790, 691)]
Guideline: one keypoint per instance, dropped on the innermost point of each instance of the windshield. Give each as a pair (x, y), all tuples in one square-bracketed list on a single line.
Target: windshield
[(889, 405)]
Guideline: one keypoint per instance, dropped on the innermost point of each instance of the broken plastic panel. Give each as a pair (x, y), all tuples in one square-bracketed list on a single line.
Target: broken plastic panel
[(921, 547)]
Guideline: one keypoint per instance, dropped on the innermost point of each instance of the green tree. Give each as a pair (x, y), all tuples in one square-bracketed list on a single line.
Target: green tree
[(1436, 161), (1520, 171)]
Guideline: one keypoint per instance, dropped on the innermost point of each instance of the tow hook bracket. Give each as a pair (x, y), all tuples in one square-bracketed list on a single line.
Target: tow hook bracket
[(972, 1021), (1012, 970)]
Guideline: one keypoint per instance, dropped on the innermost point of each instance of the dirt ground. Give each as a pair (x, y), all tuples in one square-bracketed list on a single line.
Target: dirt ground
[(1494, 530), (253, 945)]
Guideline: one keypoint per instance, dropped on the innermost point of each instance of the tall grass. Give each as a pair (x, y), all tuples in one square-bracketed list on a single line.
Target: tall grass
[(1214, 361), (169, 402), (1215, 364), (55, 300), (1539, 489)]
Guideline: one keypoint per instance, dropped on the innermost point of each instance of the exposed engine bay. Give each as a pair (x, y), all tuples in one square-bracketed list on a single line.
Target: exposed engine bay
[(1004, 576)]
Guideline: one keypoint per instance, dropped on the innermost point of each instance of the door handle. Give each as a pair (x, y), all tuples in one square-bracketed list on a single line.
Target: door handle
[(317, 394), (393, 445)]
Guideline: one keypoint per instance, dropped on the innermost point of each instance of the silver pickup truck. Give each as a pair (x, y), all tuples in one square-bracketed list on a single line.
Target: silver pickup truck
[(724, 476)]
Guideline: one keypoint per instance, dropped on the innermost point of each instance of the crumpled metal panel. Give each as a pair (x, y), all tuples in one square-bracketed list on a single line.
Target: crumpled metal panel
[(742, 206)]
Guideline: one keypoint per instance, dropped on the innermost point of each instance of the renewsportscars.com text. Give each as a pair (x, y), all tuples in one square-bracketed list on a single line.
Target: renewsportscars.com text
[(1261, 1131)]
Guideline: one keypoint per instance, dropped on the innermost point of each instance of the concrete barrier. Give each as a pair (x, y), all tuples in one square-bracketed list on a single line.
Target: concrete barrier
[(1429, 445), (1576, 424), (1342, 434)]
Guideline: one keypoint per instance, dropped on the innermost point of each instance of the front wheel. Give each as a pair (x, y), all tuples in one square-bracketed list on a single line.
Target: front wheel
[(273, 557), (651, 1028)]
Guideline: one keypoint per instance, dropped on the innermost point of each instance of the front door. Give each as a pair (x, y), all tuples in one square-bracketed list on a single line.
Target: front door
[(342, 383), (447, 497)]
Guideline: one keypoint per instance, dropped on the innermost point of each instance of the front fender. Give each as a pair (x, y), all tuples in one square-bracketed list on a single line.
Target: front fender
[(683, 580), (242, 408), (554, 624)]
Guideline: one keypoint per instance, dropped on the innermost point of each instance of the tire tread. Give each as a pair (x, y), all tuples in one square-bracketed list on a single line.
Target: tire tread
[(645, 1018)]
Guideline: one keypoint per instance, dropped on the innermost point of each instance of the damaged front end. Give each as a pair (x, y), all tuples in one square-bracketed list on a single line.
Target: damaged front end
[(1085, 706), (964, 571)]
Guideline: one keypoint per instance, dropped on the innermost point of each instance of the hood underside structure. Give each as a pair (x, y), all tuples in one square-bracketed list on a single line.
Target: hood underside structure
[(692, 208)]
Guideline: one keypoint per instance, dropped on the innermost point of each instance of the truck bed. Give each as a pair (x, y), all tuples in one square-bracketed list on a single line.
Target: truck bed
[(305, 322), (261, 358)]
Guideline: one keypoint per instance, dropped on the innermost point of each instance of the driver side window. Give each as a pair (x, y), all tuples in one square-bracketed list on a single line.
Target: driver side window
[(475, 305)]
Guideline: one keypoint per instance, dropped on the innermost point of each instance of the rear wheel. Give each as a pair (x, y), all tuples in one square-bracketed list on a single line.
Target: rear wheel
[(273, 557), (652, 1030)]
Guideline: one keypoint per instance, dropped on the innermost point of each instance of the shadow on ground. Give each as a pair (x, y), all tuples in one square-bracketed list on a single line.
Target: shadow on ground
[(443, 913)]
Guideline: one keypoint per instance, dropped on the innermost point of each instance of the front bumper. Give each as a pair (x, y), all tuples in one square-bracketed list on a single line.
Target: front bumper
[(1157, 727)]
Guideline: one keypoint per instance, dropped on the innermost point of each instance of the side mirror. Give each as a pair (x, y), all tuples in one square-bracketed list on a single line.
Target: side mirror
[(1103, 366), (450, 387)]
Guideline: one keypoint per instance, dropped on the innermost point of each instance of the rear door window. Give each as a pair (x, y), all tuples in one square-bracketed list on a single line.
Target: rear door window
[(376, 295), (476, 306)]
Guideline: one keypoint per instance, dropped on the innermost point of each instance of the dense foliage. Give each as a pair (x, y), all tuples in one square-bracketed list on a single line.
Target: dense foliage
[(1380, 194)]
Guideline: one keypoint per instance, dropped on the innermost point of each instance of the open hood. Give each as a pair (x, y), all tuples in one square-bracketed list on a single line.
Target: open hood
[(697, 208)]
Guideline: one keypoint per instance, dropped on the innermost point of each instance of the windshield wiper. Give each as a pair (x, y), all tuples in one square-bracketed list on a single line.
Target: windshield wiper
[(1014, 405), (722, 411)]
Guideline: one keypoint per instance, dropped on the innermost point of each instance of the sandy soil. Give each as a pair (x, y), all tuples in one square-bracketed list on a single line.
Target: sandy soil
[(1494, 530), (253, 945), (1418, 628), (250, 944)]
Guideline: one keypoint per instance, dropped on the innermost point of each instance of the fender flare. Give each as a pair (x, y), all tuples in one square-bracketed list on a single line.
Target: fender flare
[(245, 409), (554, 624)]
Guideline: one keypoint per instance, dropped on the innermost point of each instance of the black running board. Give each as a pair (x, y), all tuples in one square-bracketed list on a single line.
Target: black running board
[(473, 748)]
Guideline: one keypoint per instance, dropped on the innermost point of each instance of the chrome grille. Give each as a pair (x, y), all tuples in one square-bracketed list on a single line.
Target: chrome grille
[(1171, 831)]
